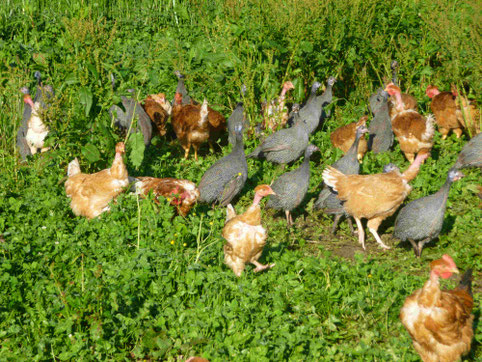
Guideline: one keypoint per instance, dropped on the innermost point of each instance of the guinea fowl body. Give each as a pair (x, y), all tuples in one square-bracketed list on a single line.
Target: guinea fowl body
[(421, 220), (285, 145), (226, 178), (237, 119), (291, 187), (380, 130), (471, 154), (312, 113)]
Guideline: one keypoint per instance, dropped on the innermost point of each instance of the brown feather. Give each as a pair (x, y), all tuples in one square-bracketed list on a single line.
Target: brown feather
[(344, 137)]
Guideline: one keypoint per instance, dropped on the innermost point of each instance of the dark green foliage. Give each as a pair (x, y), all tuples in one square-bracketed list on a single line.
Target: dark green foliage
[(142, 283)]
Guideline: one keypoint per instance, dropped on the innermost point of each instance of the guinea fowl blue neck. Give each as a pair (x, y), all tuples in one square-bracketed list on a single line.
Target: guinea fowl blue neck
[(452, 176), (352, 152)]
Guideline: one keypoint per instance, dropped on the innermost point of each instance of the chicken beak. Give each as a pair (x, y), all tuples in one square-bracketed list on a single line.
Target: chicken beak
[(455, 270)]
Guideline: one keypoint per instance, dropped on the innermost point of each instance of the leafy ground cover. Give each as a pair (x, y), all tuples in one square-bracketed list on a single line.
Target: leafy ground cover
[(141, 283)]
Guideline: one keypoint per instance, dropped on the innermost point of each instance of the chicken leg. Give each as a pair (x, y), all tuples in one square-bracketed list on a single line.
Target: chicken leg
[(261, 267), (378, 239), (373, 225), (361, 232)]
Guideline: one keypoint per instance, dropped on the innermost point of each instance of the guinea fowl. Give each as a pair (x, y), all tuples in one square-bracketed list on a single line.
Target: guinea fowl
[(245, 235), (123, 119), (421, 221), (285, 145), (380, 130), (348, 165), (181, 88), (291, 187), (226, 178), (394, 67), (313, 113), (471, 154), (237, 118), (33, 131), (373, 197), (344, 137)]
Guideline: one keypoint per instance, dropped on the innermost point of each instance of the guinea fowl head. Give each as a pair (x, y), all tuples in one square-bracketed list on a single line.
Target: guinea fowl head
[(361, 129), (443, 267), (390, 167), (331, 81), (315, 87), (454, 175), (310, 150), (394, 64), (432, 91)]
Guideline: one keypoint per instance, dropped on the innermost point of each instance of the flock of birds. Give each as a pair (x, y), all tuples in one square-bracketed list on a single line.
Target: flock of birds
[(439, 322)]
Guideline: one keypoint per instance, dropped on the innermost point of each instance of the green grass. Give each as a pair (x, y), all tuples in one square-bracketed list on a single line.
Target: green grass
[(81, 290)]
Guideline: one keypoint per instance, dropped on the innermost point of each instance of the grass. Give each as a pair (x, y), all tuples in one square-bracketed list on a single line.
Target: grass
[(141, 283)]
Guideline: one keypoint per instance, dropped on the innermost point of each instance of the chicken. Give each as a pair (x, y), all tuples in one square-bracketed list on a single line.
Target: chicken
[(182, 194), (275, 114), (373, 197), (444, 109), (245, 235), (468, 113), (159, 109), (190, 122), (413, 131), (439, 321), (394, 104), (91, 193), (344, 137), (37, 130)]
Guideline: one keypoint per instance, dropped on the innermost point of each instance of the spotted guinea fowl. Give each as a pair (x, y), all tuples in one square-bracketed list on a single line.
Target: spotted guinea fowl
[(237, 118), (312, 113), (349, 165), (380, 130), (223, 180), (394, 67), (285, 145), (181, 88), (291, 187), (421, 220), (471, 154)]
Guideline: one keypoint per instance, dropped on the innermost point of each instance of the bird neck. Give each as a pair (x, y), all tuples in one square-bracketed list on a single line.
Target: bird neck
[(257, 199), (354, 147), (431, 290)]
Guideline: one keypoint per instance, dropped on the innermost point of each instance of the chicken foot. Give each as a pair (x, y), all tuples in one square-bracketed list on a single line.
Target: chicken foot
[(261, 267), (361, 232), (378, 238)]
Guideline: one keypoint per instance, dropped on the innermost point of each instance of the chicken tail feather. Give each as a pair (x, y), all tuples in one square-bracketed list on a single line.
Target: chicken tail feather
[(466, 282), (330, 176), (74, 168), (429, 130)]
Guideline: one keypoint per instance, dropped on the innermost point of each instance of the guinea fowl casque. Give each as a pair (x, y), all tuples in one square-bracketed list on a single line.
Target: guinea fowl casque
[(312, 112), (285, 145), (413, 131), (91, 193), (380, 130), (275, 114), (439, 321), (348, 165), (158, 109), (226, 178), (291, 187), (182, 194), (245, 235), (421, 220), (471, 154), (344, 137), (373, 197)]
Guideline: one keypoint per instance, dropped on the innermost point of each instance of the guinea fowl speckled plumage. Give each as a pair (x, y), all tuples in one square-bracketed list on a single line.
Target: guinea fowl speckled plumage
[(471, 154), (349, 165), (181, 88), (421, 220), (225, 179), (313, 113), (285, 145), (380, 129), (291, 187), (237, 118)]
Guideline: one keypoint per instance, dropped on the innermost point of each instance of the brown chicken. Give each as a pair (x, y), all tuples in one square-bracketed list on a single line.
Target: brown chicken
[(444, 107), (468, 112), (344, 137), (407, 101), (440, 322), (159, 109), (245, 235), (195, 124), (182, 194), (373, 197), (413, 131), (275, 114), (91, 193)]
